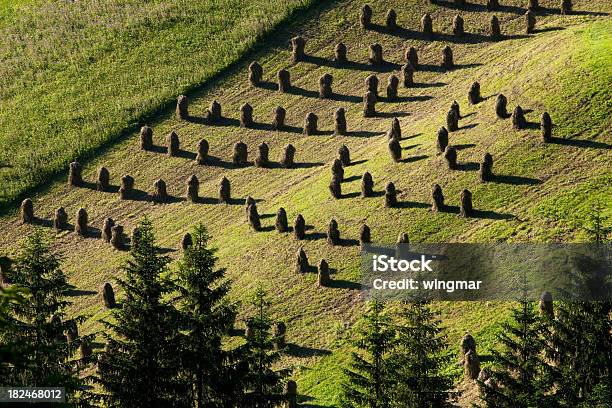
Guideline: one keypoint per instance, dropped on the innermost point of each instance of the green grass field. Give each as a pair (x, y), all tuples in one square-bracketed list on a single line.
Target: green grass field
[(78, 75), (542, 193)]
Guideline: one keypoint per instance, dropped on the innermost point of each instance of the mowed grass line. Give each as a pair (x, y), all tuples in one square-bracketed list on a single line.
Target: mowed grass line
[(77, 75)]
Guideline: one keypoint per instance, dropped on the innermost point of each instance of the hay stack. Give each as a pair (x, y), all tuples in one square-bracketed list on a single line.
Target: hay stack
[(116, 239), (366, 16), (74, 174), (214, 112), (81, 222), (530, 22), (376, 54), (27, 211), (501, 103), (323, 274), (262, 159), (107, 229), (298, 45), (365, 235), (492, 5), (60, 219), (284, 81), (391, 20), (447, 58), (455, 106), (344, 155), (255, 73), (135, 237), (458, 30), (390, 195), (437, 198), (466, 345), (246, 115), (371, 83), (290, 392), (367, 185), (369, 104), (412, 57), (566, 7), (395, 150), (340, 54), (325, 86), (474, 96), (546, 306), (518, 118), (452, 121), (278, 122), (224, 190), (408, 75), (310, 124), (240, 154), (396, 130), (392, 85), (288, 159), (193, 189), (427, 25), (160, 191), (172, 144), (186, 241), (103, 179), (126, 189), (471, 365), (495, 28), (335, 188), (299, 227), (247, 202), (546, 126), (278, 333), (146, 138), (532, 5), (442, 139), (281, 223), (486, 168), (301, 261), (333, 233), (202, 151), (450, 154), (108, 294), (253, 217), (337, 169), (340, 122), (182, 110), (466, 208)]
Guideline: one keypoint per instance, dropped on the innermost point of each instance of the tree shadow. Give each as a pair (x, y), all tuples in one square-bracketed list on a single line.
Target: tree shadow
[(296, 350), (515, 180), (590, 144)]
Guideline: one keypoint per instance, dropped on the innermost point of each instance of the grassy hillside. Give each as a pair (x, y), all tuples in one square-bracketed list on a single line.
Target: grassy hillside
[(77, 75), (541, 194)]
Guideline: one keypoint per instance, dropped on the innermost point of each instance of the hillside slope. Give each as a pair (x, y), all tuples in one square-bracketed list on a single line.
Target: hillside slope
[(541, 193)]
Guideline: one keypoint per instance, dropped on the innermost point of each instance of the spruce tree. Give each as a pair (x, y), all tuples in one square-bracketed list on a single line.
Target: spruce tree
[(418, 358), (581, 332), (140, 365), (263, 384), (33, 329), (520, 377), (369, 377), (207, 317)]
